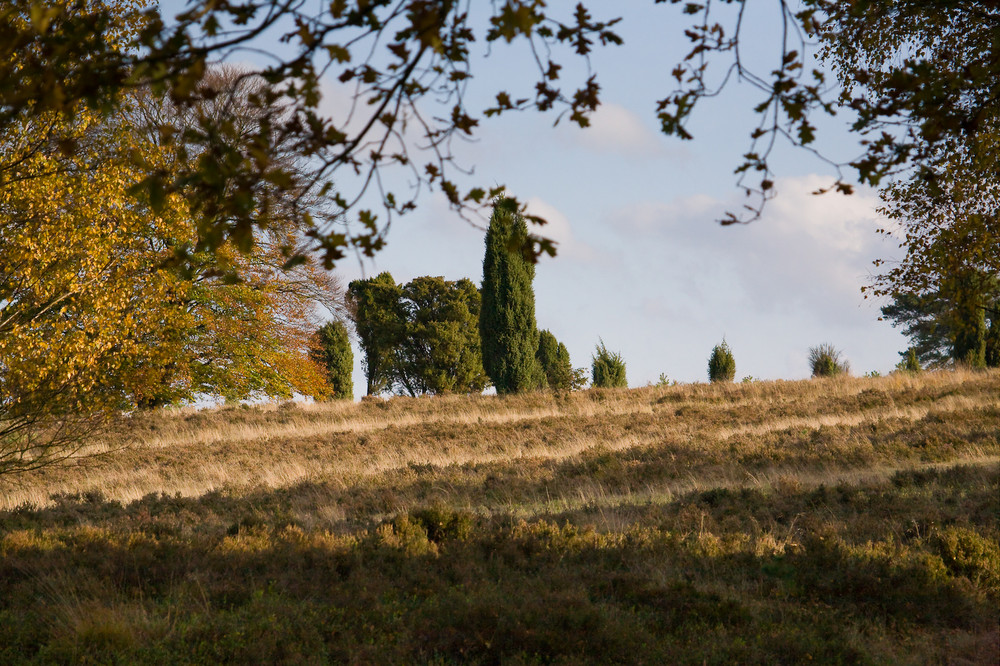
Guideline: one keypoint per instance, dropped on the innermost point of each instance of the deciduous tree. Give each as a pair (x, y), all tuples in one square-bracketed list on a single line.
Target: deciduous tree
[(94, 316)]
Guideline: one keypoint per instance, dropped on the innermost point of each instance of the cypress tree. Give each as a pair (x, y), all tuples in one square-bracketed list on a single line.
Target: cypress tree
[(335, 355), (507, 319)]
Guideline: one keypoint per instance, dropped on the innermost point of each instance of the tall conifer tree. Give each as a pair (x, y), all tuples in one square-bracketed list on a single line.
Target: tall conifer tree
[(335, 355), (507, 319)]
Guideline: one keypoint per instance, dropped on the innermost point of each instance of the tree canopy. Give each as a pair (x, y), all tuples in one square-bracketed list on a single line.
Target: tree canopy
[(917, 77), (95, 317), (421, 337)]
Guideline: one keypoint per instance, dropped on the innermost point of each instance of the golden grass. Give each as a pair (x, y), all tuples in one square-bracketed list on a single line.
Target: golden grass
[(191, 453)]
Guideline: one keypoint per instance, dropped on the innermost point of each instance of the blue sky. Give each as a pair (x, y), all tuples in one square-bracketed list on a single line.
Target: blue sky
[(642, 262)]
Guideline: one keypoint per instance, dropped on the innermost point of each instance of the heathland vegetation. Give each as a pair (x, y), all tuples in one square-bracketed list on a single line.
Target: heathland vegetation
[(167, 227), (829, 520)]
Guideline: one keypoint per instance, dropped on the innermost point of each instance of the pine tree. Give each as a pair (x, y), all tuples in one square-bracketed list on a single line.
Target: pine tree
[(507, 320), (335, 355)]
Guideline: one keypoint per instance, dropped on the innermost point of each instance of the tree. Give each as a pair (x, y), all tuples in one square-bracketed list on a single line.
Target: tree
[(928, 69), (94, 318), (946, 325), (82, 313), (334, 353), (421, 337), (608, 368), (721, 365), (439, 351), (992, 355), (250, 314), (379, 318), (553, 358), (507, 320), (825, 361)]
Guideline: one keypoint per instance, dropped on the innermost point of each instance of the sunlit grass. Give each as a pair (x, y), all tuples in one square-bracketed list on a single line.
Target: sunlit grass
[(843, 520)]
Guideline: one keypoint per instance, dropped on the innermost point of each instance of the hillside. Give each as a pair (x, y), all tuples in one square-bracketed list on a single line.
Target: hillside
[(846, 520)]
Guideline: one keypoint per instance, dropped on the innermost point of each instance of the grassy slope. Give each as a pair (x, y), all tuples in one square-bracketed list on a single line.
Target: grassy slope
[(852, 520)]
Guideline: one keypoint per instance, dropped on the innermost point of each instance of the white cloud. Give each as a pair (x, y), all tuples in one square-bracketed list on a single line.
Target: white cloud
[(558, 228), (615, 129), (807, 255)]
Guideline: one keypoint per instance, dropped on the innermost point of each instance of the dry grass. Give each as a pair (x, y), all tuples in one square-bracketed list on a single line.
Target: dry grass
[(191, 452), (852, 520)]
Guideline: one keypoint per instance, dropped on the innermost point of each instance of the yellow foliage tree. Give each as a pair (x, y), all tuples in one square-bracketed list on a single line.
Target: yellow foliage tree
[(94, 315)]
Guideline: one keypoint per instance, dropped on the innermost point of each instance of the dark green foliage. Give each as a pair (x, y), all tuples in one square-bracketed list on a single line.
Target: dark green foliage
[(958, 322), (924, 322), (968, 314), (721, 364), (825, 361), (439, 349), (376, 304), (992, 356), (507, 320), (420, 337), (553, 359), (910, 362), (335, 355), (608, 368)]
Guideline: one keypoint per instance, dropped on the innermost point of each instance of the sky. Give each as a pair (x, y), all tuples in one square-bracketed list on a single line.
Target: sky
[(643, 264)]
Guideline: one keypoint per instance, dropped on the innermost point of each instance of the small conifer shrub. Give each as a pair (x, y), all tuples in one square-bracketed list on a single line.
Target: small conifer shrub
[(825, 361), (553, 361), (721, 364), (910, 362), (608, 368)]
